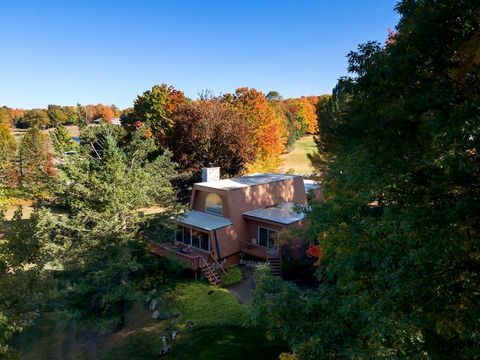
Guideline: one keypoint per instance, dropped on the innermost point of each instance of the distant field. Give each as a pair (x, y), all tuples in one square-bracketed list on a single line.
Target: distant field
[(74, 131), (297, 161)]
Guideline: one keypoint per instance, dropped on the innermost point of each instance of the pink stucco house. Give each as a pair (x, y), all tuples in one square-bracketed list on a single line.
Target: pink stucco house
[(236, 216)]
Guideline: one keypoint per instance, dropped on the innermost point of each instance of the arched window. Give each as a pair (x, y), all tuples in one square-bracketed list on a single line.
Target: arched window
[(214, 205)]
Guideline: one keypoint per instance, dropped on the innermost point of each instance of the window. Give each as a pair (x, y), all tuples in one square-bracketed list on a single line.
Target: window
[(214, 205), (186, 235), (204, 241), (195, 238), (179, 233), (266, 237)]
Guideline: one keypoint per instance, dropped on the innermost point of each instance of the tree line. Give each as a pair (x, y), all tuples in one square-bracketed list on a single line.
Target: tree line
[(245, 131), (56, 115)]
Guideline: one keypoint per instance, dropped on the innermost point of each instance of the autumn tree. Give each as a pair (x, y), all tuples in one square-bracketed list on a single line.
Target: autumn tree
[(57, 115), (35, 118), (269, 129), (211, 133), (156, 109), (4, 116), (8, 148), (35, 160)]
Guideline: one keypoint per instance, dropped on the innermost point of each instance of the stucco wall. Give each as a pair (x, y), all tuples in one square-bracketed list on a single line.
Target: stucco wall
[(237, 201)]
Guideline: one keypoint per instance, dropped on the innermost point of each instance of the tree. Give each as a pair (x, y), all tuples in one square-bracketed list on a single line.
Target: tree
[(211, 133), (35, 161), (274, 96), (36, 118), (399, 229), (57, 115), (8, 148), (4, 116), (156, 109), (269, 129), (61, 139), (24, 286), (99, 246)]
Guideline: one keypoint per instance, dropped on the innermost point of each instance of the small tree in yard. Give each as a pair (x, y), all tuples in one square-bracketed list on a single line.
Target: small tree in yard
[(35, 161)]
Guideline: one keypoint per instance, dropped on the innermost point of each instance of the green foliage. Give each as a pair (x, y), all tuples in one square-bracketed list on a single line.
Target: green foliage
[(155, 108), (234, 275), (61, 139), (98, 247), (206, 305), (57, 115), (399, 229), (280, 307), (35, 118), (24, 287)]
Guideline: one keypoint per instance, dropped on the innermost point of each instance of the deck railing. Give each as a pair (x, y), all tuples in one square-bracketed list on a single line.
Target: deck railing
[(194, 262), (260, 251)]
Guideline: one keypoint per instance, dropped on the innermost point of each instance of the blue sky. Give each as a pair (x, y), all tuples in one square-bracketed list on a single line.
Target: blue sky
[(64, 52)]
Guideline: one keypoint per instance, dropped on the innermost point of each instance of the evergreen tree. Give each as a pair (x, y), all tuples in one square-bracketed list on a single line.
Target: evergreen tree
[(61, 139), (103, 258)]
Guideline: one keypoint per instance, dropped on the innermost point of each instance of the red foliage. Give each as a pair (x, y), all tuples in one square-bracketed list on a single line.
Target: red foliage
[(315, 251)]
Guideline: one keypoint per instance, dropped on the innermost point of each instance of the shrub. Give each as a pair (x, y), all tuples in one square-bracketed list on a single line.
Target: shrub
[(234, 276)]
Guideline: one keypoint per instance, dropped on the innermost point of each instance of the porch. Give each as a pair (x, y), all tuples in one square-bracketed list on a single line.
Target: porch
[(190, 257)]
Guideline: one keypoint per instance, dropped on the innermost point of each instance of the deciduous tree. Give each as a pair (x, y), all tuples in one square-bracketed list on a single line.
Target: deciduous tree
[(399, 227)]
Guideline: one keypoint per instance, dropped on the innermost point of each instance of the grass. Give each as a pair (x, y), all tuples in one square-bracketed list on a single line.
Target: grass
[(297, 161), (232, 343), (220, 331)]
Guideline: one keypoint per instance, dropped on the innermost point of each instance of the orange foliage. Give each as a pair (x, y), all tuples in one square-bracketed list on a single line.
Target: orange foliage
[(107, 113), (305, 112), (269, 128)]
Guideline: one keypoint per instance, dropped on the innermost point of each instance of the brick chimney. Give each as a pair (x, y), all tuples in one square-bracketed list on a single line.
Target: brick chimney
[(210, 174)]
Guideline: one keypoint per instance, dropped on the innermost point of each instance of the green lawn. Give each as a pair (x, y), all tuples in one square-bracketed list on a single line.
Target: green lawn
[(232, 343), (220, 331), (296, 161)]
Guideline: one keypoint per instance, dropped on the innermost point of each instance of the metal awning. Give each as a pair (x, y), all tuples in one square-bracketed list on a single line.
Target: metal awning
[(202, 220), (283, 213)]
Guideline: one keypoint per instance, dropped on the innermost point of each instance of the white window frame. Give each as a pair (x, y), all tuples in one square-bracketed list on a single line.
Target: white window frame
[(269, 230)]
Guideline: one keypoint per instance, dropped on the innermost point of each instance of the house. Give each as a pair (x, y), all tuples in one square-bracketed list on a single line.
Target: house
[(236, 216)]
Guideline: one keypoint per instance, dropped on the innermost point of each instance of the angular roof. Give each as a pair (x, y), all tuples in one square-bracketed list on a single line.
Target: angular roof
[(203, 220), (283, 213), (246, 181)]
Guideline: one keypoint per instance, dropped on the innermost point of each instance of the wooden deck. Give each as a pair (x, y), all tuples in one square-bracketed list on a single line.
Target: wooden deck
[(259, 252), (192, 258)]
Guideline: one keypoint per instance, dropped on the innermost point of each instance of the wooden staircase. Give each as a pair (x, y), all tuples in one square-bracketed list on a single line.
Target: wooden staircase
[(275, 261), (210, 274)]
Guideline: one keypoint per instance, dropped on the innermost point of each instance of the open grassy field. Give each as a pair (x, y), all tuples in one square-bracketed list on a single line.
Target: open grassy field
[(296, 161)]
